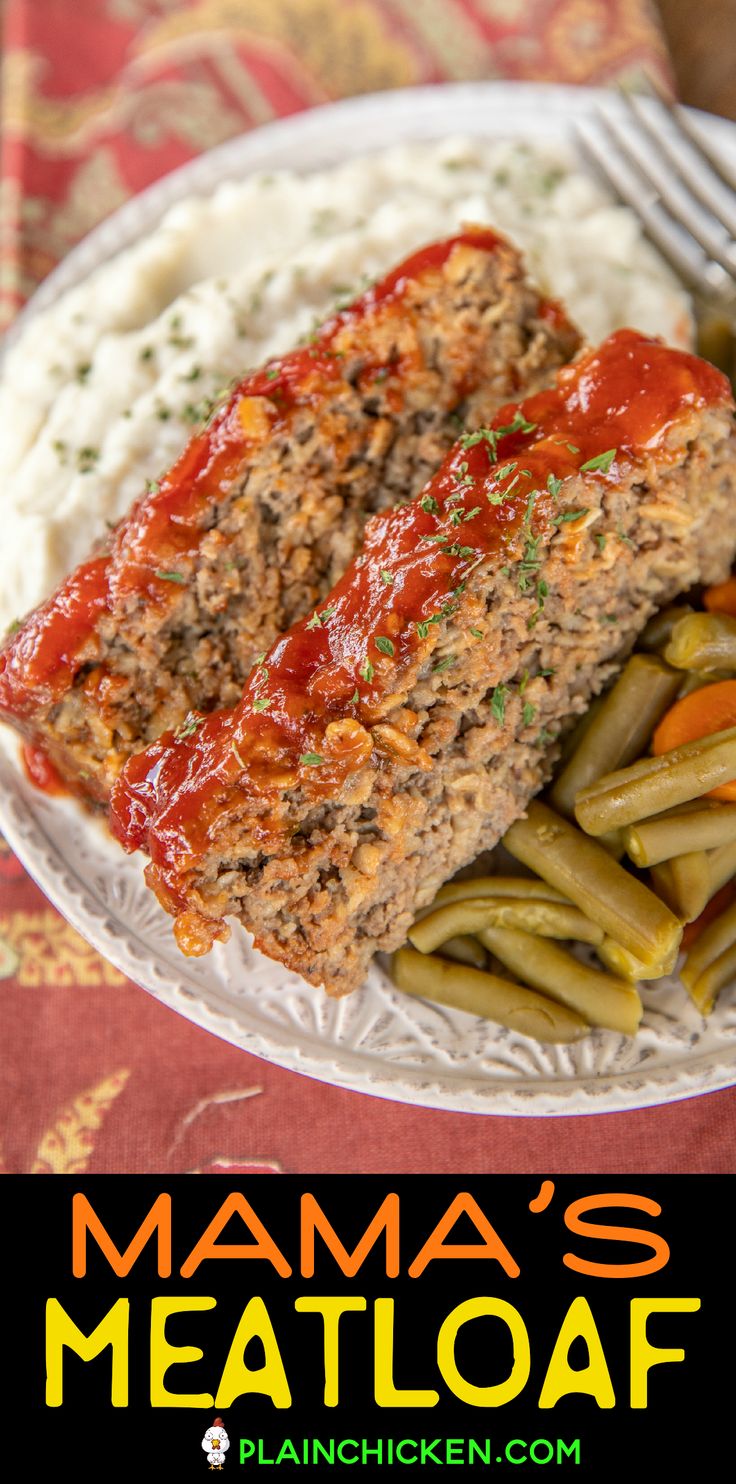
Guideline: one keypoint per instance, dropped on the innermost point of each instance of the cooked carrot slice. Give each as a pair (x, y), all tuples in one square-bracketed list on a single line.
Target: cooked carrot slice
[(710, 709), (722, 597)]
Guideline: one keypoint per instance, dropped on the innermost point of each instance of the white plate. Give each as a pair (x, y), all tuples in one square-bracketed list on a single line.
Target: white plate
[(375, 1041)]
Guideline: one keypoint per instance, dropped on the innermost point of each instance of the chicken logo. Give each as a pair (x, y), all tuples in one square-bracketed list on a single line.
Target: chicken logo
[(216, 1443)]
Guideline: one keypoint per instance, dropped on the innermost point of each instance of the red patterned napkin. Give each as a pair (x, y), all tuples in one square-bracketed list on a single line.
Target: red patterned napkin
[(101, 97)]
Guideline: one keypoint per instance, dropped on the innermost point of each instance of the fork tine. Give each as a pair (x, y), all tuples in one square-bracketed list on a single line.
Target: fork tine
[(683, 121), (674, 201), (707, 277), (687, 162)]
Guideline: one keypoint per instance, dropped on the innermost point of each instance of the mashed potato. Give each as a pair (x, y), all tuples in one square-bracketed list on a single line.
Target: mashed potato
[(101, 392)]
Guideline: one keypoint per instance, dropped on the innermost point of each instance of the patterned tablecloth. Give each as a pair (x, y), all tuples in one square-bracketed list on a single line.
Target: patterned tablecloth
[(100, 97)]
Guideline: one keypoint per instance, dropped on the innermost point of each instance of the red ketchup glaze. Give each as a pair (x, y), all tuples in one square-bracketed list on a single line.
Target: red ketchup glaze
[(163, 531), (41, 771), (626, 396)]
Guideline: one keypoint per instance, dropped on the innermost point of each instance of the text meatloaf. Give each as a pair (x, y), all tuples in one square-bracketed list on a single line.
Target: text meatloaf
[(267, 505), (383, 743)]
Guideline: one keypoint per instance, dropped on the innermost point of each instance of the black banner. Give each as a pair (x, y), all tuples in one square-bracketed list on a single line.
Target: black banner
[(180, 1326)]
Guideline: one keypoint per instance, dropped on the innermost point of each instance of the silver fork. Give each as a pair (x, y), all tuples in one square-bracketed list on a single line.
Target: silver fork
[(658, 162)]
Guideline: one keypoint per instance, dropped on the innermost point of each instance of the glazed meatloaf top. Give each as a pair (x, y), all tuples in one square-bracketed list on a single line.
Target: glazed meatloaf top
[(267, 505), (370, 754)]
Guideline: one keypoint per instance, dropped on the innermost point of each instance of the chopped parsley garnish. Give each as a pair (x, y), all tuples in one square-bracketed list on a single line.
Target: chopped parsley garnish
[(429, 504), (544, 737), (354, 698), (523, 683), (386, 576), (86, 459), (470, 440), (477, 633), (519, 425), (461, 475), (610, 618), (385, 645), (84, 370), (163, 414), (558, 520), (471, 514), (193, 375), (529, 563), (506, 469), (541, 594), (444, 664), (317, 619), (497, 497), (601, 461), (152, 486), (572, 447), (456, 517), (440, 540), (170, 576), (367, 672), (423, 628), (528, 713), (272, 373), (188, 727), (623, 537), (311, 759), (146, 353), (262, 703), (554, 485), (461, 551), (498, 703), (600, 538), (491, 436), (13, 627)]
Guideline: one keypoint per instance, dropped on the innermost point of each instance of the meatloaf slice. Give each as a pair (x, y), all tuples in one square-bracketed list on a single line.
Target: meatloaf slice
[(267, 505), (385, 741)]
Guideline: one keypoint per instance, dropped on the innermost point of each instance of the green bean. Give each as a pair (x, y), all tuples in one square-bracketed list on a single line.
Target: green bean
[(465, 950), (548, 919), (718, 936), (600, 887), (661, 877), (478, 993), (571, 739), (685, 883), (659, 629), (599, 998), (625, 966), (657, 783), (621, 730), (703, 641), (706, 989), (721, 867), (613, 842), (702, 826), (696, 680), (496, 886)]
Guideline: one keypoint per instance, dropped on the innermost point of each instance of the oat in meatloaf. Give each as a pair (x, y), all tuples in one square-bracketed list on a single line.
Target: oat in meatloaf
[(267, 505), (383, 743)]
